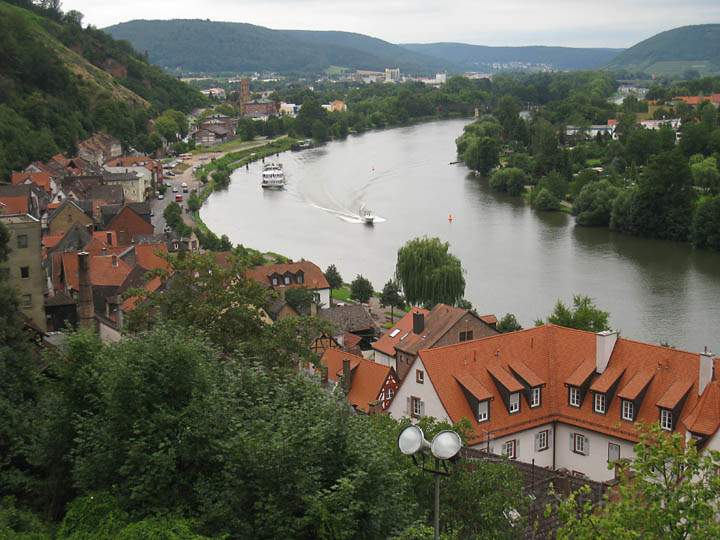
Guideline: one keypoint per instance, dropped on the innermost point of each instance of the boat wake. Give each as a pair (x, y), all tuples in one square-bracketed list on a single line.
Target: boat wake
[(347, 216)]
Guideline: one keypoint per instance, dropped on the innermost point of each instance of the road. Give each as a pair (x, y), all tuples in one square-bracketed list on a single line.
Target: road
[(158, 205)]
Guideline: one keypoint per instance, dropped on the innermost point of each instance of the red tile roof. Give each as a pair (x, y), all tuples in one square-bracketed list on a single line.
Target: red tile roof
[(606, 381), (367, 380), (14, 205), (525, 373), (105, 270), (501, 375), (149, 256), (636, 384), (40, 179), (132, 302), (557, 355), (386, 343), (489, 319), (313, 276), (475, 387), (705, 420)]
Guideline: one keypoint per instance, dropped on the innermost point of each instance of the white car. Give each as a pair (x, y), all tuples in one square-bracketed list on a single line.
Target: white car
[(161, 197), (175, 189)]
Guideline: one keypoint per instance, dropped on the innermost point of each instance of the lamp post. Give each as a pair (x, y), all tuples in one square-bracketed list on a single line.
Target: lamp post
[(444, 447)]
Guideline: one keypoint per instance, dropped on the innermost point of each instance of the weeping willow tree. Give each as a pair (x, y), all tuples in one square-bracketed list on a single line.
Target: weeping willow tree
[(428, 274)]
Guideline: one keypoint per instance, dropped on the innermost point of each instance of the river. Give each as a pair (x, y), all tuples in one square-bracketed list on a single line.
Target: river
[(517, 260)]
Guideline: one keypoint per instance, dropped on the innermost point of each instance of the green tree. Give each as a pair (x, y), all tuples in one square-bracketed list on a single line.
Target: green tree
[(668, 491), (509, 179), (194, 203), (545, 200), (583, 315), (706, 224), (391, 297), (333, 277), (300, 299), (705, 174), (428, 273), (508, 323), (594, 204), (361, 289), (482, 154)]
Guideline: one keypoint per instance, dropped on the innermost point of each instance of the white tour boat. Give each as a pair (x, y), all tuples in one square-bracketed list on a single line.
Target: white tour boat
[(273, 176)]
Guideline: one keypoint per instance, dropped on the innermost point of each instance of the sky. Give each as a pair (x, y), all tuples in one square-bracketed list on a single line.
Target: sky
[(572, 23)]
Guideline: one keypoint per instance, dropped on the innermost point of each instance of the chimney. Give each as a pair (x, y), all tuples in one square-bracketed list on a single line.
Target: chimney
[(114, 261), (418, 323), (706, 370), (347, 375), (604, 345), (86, 308)]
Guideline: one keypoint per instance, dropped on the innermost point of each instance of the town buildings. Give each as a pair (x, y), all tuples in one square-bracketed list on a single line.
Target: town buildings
[(261, 109), (281, 277), (392, 75), (564, 398), (23, 269)]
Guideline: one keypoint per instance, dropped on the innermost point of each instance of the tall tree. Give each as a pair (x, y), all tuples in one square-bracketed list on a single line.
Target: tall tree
[(428, 273), (333, 277), (391, 297), (361, 289), (583, 315)]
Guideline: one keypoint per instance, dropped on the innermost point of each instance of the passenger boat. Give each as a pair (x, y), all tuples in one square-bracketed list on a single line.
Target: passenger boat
[(366, 215), (273, 176)]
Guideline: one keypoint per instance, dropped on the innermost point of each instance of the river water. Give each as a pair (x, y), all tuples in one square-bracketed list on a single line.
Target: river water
[(517, 260)]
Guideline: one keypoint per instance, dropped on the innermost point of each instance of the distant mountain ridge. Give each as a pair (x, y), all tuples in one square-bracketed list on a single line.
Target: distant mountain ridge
[(478, 57), (675, 51), (214, 47)]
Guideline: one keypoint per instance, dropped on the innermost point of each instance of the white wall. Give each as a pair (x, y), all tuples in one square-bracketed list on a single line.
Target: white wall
[(324, 297), (525, 447), (425, 391), (384, 359), (595, 464)]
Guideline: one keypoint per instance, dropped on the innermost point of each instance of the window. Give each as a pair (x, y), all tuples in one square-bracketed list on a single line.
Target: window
[(300, 279), (599, 403), (274, 281), (24, 272), (466, 336), (613, 452), (483, 411), (22, 241), (574, 396), (514, 403), (390, 393), (419, 376), (26, 300), (287, 280), (542, 440), (417, 407), (628, 410), (579, 444), (509, 449), (535, 397), (666, 419)]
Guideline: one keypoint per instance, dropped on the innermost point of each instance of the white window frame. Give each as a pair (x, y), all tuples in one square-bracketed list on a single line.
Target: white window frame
[(286, 280), (542, 440), (535, 397), (416, 404), (514, 403), (600, 403), (580, 444), (390, 393), (574, 396), (275, 281), (628, 410), (509, 449), (483, 412), (666, 419)]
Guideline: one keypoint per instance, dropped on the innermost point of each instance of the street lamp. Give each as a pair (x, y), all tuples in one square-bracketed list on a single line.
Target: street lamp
[(445, 446)]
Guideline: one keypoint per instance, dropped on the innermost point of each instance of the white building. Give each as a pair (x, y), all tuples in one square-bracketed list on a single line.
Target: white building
[(564, 398), (392, 75)]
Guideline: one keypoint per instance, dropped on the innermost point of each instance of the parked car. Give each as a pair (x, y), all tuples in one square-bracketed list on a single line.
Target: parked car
[(161, 197), (178, 198), (175, 189), (169, 173)]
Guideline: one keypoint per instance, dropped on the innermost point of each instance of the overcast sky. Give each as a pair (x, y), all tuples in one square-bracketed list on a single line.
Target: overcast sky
[(575, 23)]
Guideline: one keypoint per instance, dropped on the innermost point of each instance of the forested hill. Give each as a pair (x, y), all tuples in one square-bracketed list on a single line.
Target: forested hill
[(477, 57), (59, 83), (675, 52), (216, 47)]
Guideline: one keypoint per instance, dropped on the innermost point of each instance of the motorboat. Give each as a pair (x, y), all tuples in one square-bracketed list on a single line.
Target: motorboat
[(273, 176), (366, 215)]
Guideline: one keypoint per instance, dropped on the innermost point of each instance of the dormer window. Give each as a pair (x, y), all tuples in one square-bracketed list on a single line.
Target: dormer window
[(574, 396), (275, 281), (514, 403), (666, 419), (300, 279), (286, 280), (628, 410), (483, 414), (599, 403), (535, 395)]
